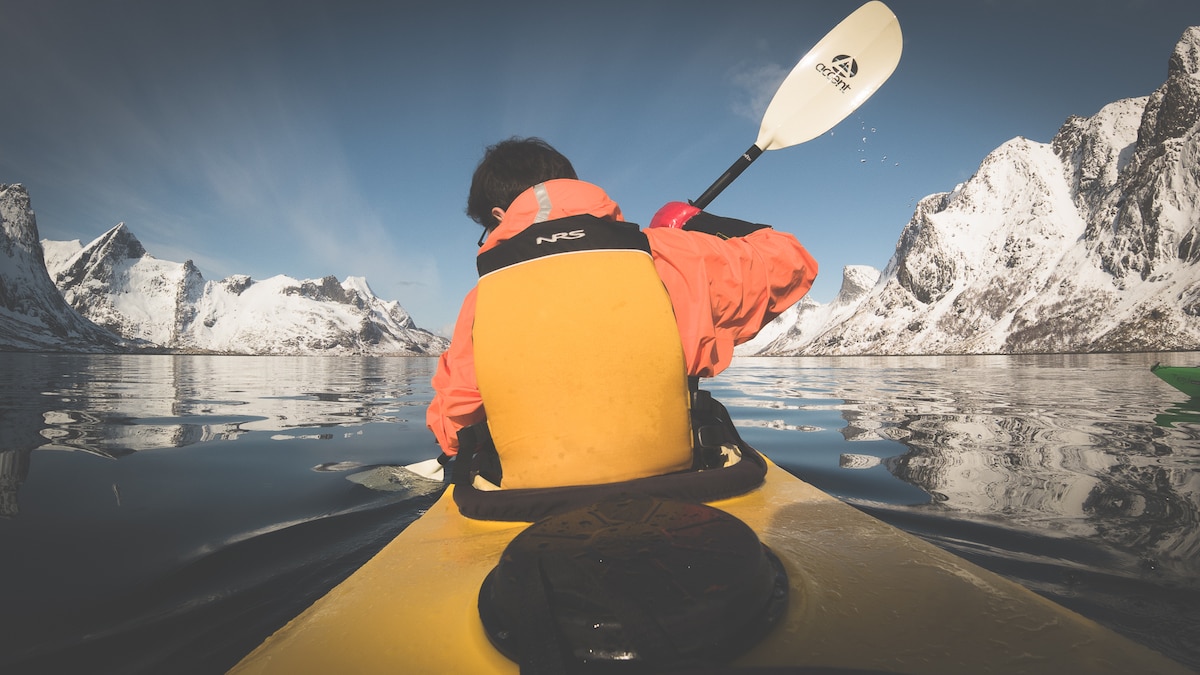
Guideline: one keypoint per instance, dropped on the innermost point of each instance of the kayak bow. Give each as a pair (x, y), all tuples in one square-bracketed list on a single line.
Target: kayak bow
[(814, 585)]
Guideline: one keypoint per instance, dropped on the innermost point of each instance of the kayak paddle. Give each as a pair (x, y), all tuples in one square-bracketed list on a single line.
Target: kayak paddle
[(833, 79)]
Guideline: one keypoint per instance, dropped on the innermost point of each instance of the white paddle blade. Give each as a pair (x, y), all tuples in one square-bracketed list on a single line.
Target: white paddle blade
[(430, 469), (834, 78)]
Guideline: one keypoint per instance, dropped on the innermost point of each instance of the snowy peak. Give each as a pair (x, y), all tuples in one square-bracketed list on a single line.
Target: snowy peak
[(58, 253), (111, 249), (114, 282), (856, 281)]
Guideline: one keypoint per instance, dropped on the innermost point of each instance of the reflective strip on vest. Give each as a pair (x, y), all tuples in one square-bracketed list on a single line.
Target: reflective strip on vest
[(578, 357), (544, 203)]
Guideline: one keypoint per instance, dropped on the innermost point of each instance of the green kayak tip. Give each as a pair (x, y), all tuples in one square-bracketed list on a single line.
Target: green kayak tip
[(1183, 378)]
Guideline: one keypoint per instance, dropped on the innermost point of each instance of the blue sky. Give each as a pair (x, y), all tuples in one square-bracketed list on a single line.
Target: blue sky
[(311, 138)]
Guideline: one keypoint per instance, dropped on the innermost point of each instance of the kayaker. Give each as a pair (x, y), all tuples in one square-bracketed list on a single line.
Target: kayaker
[(582, 360)]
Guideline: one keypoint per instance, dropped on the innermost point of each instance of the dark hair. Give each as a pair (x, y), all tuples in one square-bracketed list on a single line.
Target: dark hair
[(509, 168)]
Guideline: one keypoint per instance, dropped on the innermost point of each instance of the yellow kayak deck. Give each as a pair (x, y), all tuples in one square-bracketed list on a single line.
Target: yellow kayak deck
[(864, 595)]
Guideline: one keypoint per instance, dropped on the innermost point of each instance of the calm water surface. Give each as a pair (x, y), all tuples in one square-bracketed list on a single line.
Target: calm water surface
[(165, 513)]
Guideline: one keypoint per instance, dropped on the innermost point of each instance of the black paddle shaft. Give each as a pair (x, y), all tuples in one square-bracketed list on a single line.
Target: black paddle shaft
[(726, 178)]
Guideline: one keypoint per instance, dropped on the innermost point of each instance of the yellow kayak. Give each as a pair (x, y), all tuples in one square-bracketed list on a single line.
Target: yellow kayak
[(828, 587)]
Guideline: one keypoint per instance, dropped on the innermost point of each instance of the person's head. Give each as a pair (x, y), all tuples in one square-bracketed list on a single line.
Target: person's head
[(507, 169)]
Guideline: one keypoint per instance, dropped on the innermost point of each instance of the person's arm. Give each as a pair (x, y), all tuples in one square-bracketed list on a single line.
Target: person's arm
[(775, 272), (724, 288), (456, 401)]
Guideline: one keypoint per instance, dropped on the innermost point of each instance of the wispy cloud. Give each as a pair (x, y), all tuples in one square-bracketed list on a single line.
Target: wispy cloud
[(758, 81)]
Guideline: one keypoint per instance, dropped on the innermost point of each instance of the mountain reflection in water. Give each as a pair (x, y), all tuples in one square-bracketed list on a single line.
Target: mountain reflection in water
[(1077, 475), (196, 502)]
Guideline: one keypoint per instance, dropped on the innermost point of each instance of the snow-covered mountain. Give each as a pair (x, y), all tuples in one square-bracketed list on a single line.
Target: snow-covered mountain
[(114, 282), (1087, 243), (111, 295), (33, 314), (282, 315)]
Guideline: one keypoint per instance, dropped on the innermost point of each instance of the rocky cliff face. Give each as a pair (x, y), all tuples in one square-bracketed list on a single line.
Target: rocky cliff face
[(1087, 243), (33, 314)]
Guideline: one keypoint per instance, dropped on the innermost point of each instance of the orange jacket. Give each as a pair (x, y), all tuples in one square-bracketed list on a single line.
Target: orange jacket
[(723, 291)]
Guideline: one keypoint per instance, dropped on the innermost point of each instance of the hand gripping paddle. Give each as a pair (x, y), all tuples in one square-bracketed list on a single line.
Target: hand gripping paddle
[(833, 79)]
